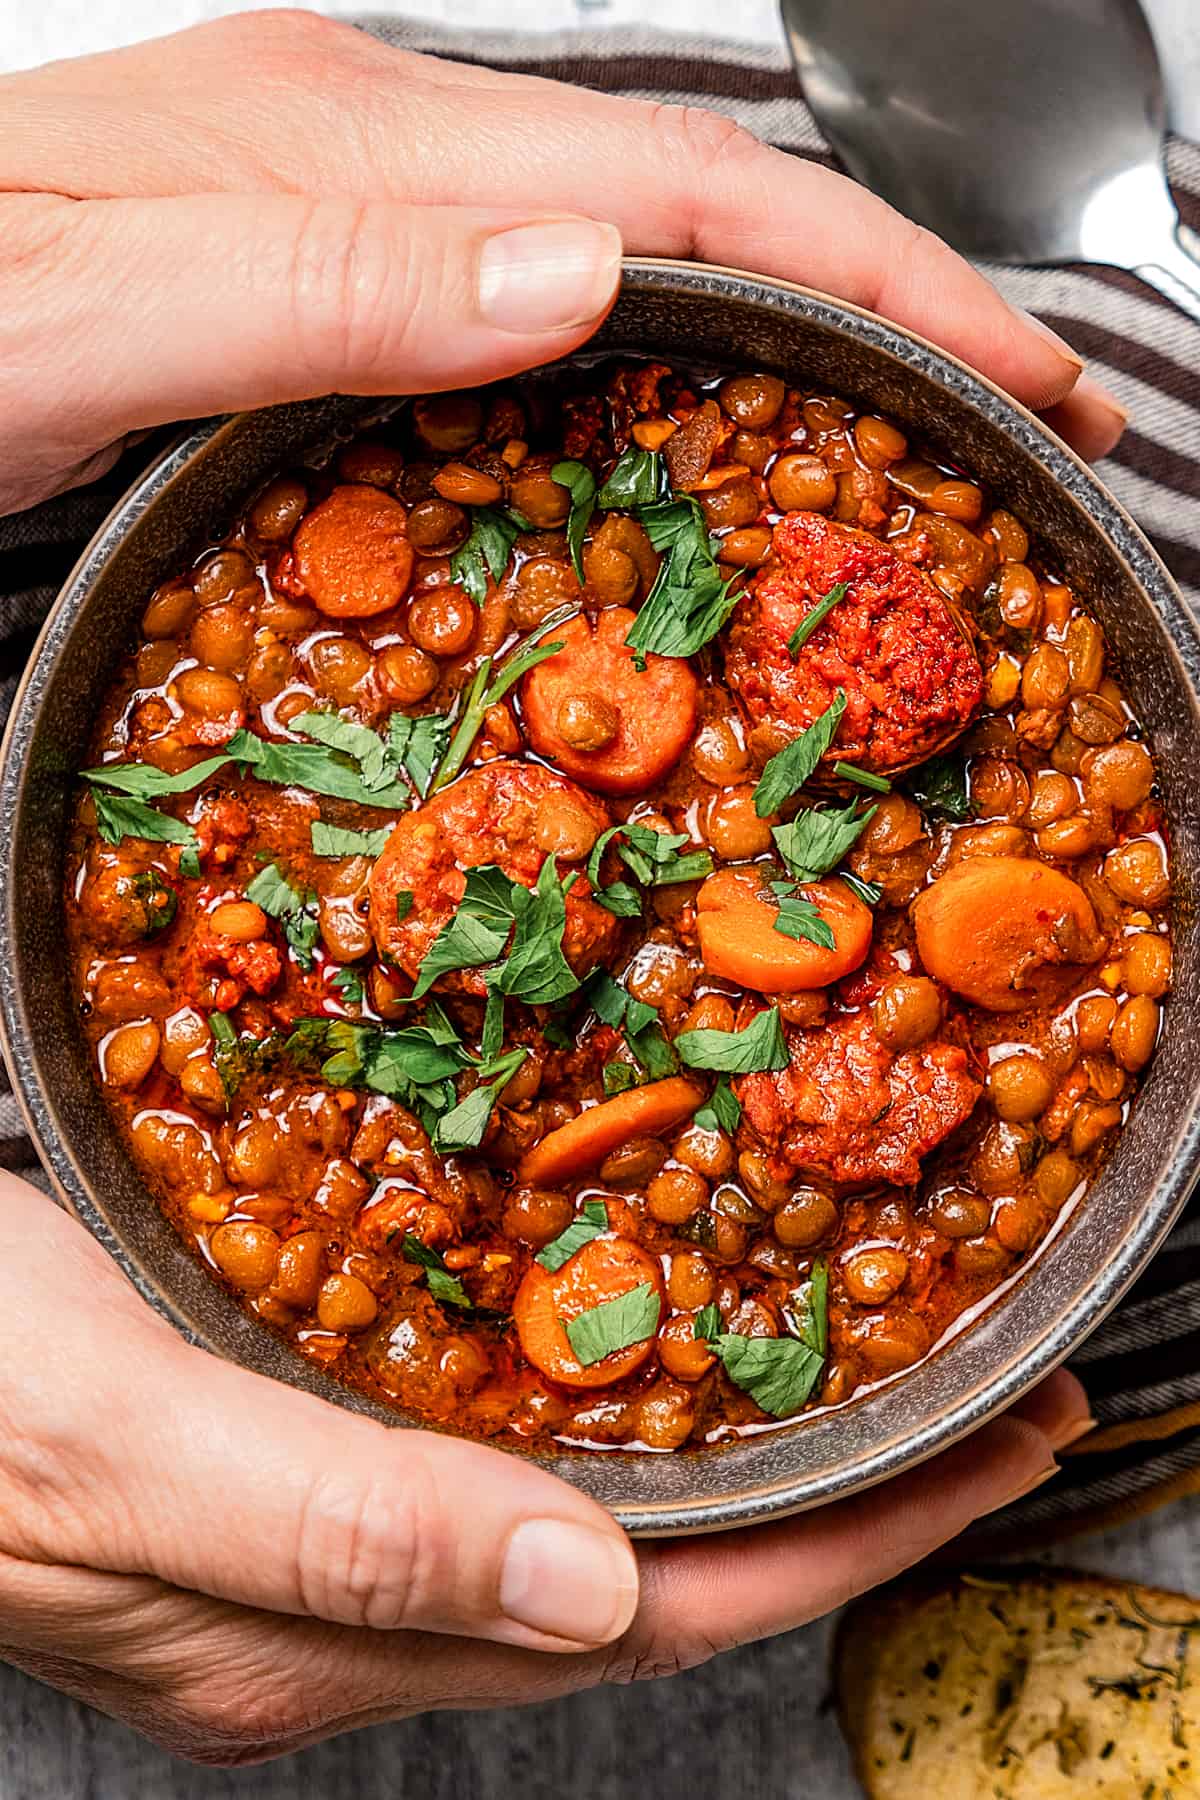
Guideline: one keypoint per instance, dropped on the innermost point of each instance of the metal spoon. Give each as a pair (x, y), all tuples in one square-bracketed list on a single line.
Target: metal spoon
[(1028, 131)]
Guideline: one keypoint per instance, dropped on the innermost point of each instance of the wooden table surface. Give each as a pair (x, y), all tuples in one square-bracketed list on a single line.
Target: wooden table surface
[(755, 1722)]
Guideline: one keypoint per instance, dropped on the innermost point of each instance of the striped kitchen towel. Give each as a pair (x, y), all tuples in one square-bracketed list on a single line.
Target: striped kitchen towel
[(1142, 1367)]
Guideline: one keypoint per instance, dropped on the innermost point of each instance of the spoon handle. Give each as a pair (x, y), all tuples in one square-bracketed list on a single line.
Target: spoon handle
[(1175, 270)]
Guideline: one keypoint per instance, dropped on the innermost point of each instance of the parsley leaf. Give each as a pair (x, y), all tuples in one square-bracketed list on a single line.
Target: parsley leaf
[(707, 1323), (653, 1050), (358, 742), (869, 892), (580, 483), (791, 767), (653, 858), (817, 616), (332, 840), (614, 1324), (798, 917), (759, 1046), (535, 969), (723, 1111), (817, 839), (487, 691), (476, 934), (419, 744), (491, 1040), (314, 767), (462, 1128), (781, 1373), (618, 1078), (639, 478), (689, 601), (117, 817), (489, 546), (940, 787), (144, 782), (348, 983), (588, 1223), (296, 910), (442, 1285)]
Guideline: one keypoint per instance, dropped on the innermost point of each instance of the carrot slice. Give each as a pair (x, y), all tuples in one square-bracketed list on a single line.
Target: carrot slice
[(585, 1141), (1005, 931), (739, 942), (352, 553), (603, 1270), (648, 715)]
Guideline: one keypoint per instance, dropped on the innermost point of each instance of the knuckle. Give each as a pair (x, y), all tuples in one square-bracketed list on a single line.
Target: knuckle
[(280, 34), (350, 293), (701, 141), (663, 1639), (371, 1553)]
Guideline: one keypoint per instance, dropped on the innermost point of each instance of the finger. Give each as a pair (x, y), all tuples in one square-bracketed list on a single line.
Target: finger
[(1058, 1407), (168, 1462), (242, 301), (1090, 419), (712, 1594), (690, 182)]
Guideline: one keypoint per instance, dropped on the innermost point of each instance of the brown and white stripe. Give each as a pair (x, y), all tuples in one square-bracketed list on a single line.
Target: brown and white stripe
[(1142, 1367)]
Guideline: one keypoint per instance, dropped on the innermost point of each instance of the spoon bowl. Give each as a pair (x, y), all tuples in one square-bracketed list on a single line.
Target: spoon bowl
[(1024, 133)]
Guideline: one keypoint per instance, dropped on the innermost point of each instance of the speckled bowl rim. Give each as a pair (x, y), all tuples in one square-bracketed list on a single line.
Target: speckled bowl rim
[(1049, 1340)]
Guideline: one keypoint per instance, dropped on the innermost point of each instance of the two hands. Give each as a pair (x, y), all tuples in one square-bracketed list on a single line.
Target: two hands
[(261, 210)]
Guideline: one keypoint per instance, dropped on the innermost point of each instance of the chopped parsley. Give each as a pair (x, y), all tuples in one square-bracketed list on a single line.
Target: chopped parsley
[(939, 787), (817, 616), (493, 905), (419, 744), (296, 910), (580, 483), (615, 1324), (654, 859), (332, 840), (816, 840), (722, 1111), (486, 550), (639, 478), (779, 1373), (791, 767), (689, 601), (759, 1046), (589, 1222), (442, 1285), (488, 689), (348, 983), (863, 777), (799, 917)]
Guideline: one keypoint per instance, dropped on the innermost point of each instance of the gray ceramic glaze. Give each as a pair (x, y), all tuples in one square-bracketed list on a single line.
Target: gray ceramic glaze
[(709, 316)]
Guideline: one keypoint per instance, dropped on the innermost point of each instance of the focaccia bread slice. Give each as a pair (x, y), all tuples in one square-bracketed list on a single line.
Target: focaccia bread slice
[(1022, 1686)]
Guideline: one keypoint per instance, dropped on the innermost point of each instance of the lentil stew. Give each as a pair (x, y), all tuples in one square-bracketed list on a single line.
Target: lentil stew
[(620, 908)]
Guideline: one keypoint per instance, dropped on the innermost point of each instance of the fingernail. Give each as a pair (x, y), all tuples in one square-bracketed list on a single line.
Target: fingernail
[(1052, 337), (549, 276), (1026, 1486), (1095, 392), (568, 1581), (1072, 1433)]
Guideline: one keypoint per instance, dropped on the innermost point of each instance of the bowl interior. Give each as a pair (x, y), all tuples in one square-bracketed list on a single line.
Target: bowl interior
[(707, 317)]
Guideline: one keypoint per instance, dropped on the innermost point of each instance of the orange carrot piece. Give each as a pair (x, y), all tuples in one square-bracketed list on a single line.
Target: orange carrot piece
[(1005, 931), (602, 1270), (735, 918), (585, 1141), (653, 711), (352, 553)]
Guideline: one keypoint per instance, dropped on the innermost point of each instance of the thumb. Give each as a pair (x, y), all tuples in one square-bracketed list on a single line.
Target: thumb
[(211, 303), (124, 1450), (248, 1491)]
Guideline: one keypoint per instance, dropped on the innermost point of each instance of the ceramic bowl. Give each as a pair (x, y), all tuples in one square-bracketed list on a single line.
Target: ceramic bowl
[(704, 316)]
